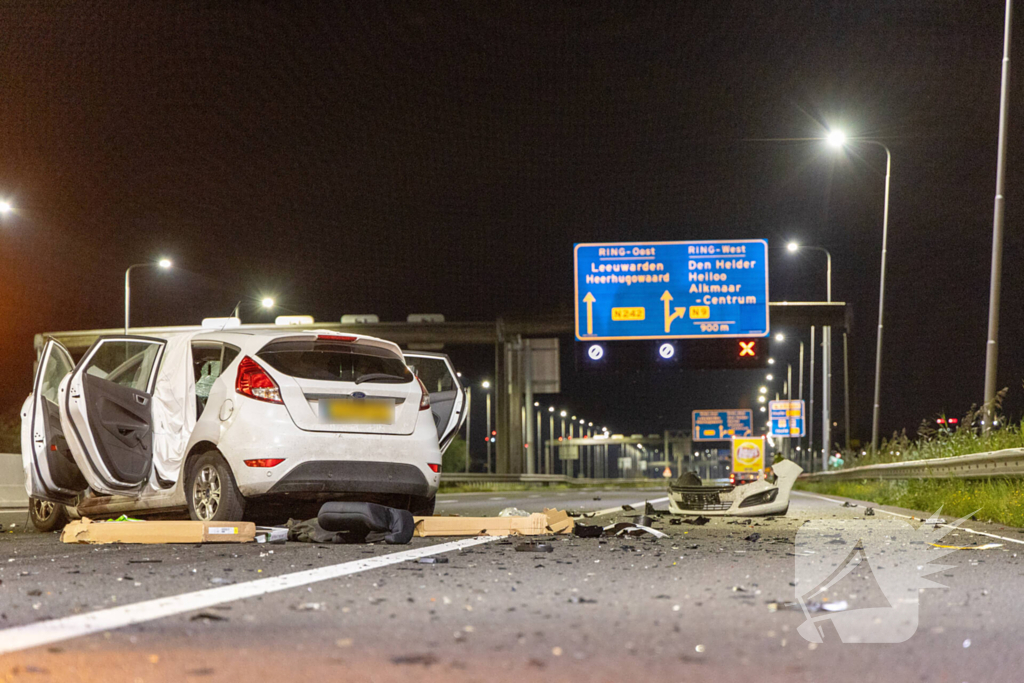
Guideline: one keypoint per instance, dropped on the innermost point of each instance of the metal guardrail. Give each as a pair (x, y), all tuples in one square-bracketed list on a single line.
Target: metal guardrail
[(480, 478), (1006, 463)]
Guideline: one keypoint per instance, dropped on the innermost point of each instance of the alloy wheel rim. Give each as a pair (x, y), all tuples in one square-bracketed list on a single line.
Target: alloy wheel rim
[(43, 508), (206, 493)]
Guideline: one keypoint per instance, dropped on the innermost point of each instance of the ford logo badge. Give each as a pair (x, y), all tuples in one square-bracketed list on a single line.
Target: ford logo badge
[(358, 394)]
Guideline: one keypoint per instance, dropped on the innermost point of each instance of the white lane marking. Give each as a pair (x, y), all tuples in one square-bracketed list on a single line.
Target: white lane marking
[(56, 630), (896, 514)]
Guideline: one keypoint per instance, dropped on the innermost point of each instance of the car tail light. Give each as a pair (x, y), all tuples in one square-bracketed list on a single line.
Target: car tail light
[(254, 382), (434, 467), (732, 478), (264, 462), (335, 337), (425, 398)]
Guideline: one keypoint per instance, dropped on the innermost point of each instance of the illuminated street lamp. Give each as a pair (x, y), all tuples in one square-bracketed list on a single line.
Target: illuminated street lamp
[(780, 337), (838, 139), (771, 361), (770, 377), (5, 207), (267, 302), (164, 263), (763, 390), (761, 398)]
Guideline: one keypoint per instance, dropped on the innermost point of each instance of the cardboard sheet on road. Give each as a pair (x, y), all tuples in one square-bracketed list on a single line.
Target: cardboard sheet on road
[(537, 524), (86, 530)]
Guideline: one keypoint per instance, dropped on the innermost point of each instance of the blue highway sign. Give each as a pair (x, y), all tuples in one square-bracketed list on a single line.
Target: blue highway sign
[(787, 418), (671, 290), (721, 425)]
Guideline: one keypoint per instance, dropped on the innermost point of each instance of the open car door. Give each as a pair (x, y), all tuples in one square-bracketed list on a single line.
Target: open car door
[(107, 406), (447, 397), (52, 472)]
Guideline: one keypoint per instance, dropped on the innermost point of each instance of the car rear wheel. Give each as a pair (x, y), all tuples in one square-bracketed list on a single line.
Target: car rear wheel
[(46, 516), (211, 491)]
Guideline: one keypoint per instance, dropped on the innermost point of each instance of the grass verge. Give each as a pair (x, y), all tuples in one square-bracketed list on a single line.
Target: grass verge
[(996, 500)]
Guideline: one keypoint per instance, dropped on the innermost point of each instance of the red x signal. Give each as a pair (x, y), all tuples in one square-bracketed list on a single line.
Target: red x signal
[(747, 348)]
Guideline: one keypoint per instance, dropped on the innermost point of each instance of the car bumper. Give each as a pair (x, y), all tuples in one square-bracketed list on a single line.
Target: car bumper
[(326, 462)]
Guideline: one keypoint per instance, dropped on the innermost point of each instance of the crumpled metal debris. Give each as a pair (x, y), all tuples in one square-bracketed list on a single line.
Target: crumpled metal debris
[(870, 512), (752, 537), (588, 531), (632, 529)]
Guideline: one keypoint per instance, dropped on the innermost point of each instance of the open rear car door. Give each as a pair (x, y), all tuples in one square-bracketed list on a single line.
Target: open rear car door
[(52, 472), (447, 397), (107, 407)]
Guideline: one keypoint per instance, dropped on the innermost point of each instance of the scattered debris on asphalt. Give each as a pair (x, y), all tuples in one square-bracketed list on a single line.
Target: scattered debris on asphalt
[(310, 607), (533, 547), (986, 546), (870, 512), (425, 660), (700, 520), (752, 537), (579, 600), (207, 616), (272, 534), (848, 504), (628, 508), (631, 529), (588, 531), (433, 560)]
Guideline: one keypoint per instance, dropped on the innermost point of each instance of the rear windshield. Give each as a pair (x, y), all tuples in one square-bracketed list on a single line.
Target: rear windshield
[(336, 362)]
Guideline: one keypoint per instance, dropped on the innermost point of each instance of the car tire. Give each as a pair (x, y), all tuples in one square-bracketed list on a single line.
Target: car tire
[(211, 492), (46, 516), (422, 507)]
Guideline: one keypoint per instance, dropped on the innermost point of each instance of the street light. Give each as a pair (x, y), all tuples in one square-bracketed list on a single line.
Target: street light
[(164, 263), (826, 359), (563, 413), (838, 139), (780, 337), (771, 361), (267, 302), (487, 385), (5, 207), (763, 390), (770, 377)]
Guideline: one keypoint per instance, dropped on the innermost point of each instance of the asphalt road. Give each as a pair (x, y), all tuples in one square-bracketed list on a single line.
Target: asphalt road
[(698, 605)]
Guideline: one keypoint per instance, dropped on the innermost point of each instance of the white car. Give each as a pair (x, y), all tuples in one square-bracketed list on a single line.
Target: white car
[(218, 422)]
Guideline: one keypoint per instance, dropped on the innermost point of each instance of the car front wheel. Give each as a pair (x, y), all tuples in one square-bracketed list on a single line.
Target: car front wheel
[(211, 491), (46, 516)]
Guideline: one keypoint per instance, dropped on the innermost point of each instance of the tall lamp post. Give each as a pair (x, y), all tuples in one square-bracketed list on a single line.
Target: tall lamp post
[(487, 385), (992, 346), (162, 263), (826, 360), (838, 139)]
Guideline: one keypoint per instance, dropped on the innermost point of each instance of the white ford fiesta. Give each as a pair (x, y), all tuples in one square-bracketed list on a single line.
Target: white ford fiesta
[(216, 423)]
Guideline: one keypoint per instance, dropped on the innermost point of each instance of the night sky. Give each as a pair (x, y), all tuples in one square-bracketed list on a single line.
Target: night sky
[(397, 158)]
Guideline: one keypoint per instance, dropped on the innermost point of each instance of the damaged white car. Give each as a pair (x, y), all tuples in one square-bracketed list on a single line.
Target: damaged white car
[(214, 423), (756, 499)]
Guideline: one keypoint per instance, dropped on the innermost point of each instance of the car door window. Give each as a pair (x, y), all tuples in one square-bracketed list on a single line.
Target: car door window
[(125, 363)]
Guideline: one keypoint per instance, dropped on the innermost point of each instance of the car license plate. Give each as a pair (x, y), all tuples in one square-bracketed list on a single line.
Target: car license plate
[(357, 411)]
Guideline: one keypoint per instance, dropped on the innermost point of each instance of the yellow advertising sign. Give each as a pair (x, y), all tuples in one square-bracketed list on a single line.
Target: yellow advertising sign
[(748, 454)]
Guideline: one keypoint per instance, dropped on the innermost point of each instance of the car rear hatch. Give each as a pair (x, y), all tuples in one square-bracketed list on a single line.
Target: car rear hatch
[(344, 384)]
